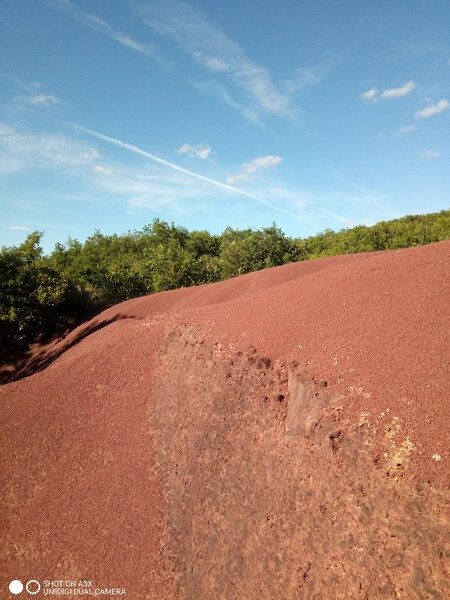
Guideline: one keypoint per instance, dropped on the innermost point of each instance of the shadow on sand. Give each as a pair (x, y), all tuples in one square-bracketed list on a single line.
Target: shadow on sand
[(22, 362)]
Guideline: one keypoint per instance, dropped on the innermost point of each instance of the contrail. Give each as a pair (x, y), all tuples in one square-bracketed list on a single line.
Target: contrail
[(175, 167)]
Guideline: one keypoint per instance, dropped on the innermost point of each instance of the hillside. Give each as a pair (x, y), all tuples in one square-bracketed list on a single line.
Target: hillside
[(280, 434)]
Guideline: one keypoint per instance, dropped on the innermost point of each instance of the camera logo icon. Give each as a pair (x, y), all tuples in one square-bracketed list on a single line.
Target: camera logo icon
[(16, 587)]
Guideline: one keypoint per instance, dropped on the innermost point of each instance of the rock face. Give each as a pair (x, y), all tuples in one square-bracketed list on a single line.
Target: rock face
[(278, 435)]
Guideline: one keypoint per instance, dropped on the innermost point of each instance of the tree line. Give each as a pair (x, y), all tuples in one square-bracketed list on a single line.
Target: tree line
[(49, 293)]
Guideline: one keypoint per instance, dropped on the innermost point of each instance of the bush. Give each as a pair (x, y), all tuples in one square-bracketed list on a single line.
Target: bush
[(34, 296)]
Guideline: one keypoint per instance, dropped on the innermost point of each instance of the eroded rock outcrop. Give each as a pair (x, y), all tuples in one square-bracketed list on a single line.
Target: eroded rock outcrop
[(271, 494)]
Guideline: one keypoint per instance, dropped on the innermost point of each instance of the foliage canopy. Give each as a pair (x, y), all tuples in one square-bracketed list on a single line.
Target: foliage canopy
[(40, 293)]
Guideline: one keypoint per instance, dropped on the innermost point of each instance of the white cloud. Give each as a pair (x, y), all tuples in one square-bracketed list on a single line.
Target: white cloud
[(17, 228), (430, 154), (91, 154), (199, 151), (213, 64), (97, 24), (102, 170), (27, 149), (370, 95), (404, 90), (404, 130), (398, 132), (433, 109), (257, 164), (38, 100), (307, 77), (151, 187)]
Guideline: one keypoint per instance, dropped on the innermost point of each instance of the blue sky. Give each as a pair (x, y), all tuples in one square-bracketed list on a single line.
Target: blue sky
[(309, 113)]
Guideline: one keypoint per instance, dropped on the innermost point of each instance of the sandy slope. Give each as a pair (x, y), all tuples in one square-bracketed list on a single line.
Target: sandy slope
[(281, 434)]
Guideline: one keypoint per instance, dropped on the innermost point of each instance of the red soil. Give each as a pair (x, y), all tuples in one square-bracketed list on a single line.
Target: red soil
[(87, 476)]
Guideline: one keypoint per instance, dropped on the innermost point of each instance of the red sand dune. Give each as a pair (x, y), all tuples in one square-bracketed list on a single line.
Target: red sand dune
[(278, 435)]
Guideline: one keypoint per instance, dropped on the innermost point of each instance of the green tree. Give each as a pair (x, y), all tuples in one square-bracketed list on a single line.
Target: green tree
[(32, 293), (248, 250)]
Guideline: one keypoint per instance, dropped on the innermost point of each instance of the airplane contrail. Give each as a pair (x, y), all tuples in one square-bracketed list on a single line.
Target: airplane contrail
[(175, 167)]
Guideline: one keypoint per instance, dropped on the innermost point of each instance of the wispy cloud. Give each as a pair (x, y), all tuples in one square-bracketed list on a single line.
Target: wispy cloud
[(389, 94), (358, 196), (210, 48), (346, 221), (17, 228), (201, 151), (244, 86), (247, 170), (418, 49), (102, 170), (27, 149), (97, 24), (433, 109), (177, 168), (398, 132), (404, 130), (31, 89), (157, 184), (370, 95), (91, 154), (216, 89), (243, 83), (38, 100), (307, 77), (142, 187), (399, 92), (430, 154), (33, 98)]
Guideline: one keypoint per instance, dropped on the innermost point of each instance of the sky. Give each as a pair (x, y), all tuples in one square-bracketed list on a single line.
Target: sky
[(311, 114)]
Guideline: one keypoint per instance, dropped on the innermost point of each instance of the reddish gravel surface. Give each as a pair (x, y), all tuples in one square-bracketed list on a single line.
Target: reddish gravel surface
[(278, 435)]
